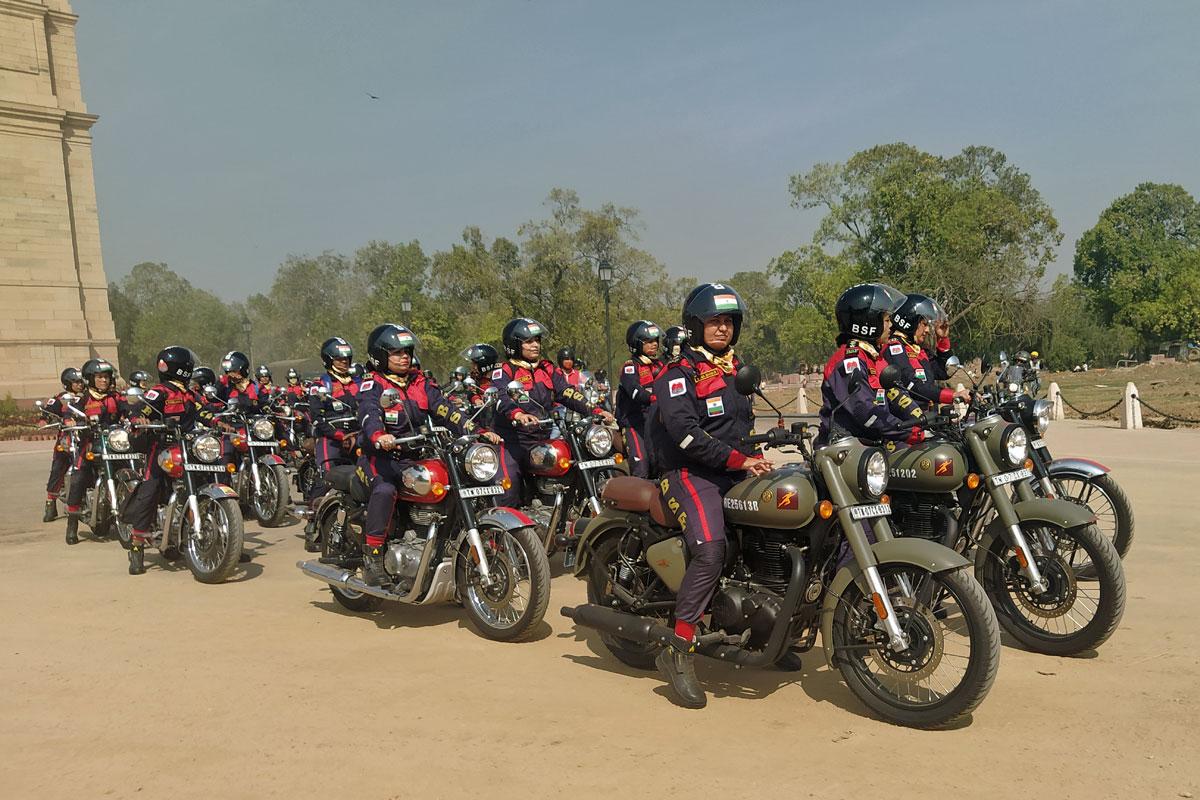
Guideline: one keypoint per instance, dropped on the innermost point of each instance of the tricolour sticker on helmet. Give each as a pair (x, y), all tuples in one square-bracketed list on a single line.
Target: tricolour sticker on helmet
[(534, 329), (677, 387), (725, 302), (653, 331), (344, 351)]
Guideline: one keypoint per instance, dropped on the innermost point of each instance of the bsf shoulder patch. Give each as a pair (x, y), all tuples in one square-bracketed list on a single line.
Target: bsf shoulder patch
[(629, 370), (152, 395), (896, 349), (366, 385), (497, 373), (677, 387), (850, 364)]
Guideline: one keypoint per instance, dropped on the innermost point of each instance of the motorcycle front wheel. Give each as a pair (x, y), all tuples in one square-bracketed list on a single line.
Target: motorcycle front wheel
[(270, 503), (213, 555), (953, 653), (512, 606)]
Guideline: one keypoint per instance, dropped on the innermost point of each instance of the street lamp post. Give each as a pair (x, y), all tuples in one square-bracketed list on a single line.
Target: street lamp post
[(246, 329), (606, 278), (405, 310)]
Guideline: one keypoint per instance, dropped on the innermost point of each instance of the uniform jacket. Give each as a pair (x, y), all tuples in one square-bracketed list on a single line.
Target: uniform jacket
[(341, 400), (545, 384), (635, 392), (420, 400), (870, 413), (920, 371)]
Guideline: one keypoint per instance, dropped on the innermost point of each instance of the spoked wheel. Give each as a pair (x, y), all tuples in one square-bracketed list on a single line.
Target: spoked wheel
[(1073, 614), (953, 646), (338, 543), (510, 608), (213, 555), (608, 565), (270, 503), (1105, 498), (306, 477)]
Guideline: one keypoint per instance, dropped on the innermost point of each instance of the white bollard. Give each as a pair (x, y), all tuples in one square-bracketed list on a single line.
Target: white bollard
[(1131, 409), (801, 402), (1054, 394)]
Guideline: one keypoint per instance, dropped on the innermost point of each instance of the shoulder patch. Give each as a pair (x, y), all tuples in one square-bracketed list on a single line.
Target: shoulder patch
[(677, 387), (366, 385), (896, 349), (497, 373), (850, 364), (152, 395), (629, 370)]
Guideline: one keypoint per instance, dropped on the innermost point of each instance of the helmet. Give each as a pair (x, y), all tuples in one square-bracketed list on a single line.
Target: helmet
[(1022, 357), (519, 330), (176, 363), (639, 333), (1033, 354), (262, 372), (235, 361), (861, 309), (481, 355), (565, 354), (916, 307), (97, 366), (139, 378), (388, 338), (335, 347), (710, 300), (292, 374), (460, 373), (357, 370), (674, 339), (203, 376), (70, 375)]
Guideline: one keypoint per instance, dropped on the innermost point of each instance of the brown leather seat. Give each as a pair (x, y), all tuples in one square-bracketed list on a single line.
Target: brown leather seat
[(638, 495)]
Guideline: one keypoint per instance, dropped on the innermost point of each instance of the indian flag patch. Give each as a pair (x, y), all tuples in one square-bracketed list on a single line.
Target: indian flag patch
[(726, 302), (715, 405), (535, 329)]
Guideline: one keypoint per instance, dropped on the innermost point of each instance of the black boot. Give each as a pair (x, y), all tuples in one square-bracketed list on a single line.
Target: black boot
[(312, 543), (676, 663), (72, 529), (51, 511), (373, 572), (790, 661), (137, 564)]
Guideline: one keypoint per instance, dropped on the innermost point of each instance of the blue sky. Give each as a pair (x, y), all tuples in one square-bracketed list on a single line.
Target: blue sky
[(234, 133)]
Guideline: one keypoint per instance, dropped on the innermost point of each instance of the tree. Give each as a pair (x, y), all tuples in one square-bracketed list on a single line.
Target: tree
[(1141, 262)]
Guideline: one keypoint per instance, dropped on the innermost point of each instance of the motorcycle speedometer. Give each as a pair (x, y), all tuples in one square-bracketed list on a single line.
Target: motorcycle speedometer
[(598, 440), (263, 428), (118, 440), (206, 448), (482, 462)]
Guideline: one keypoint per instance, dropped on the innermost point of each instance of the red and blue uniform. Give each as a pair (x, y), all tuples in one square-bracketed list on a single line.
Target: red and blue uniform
[(870, 412), (174, 404), (920, 372), (635, 394), (334, 422), (60, 459), (102, 409)]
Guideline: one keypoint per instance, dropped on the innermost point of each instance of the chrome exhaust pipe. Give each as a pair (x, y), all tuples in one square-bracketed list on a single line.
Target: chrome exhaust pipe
[(344, 579)]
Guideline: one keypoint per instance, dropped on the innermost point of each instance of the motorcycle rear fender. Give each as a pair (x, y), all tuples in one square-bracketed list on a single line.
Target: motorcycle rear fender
[(504, 517), (918, 552), (590, 531), (270, 460), (1076, 468), (1062, 513)]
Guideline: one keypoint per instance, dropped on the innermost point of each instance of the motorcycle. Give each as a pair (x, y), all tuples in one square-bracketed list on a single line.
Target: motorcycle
[(67, 441), (198, 518), (1032, 554), (567, 473), (800, 561), (260, 478), (446, 539)]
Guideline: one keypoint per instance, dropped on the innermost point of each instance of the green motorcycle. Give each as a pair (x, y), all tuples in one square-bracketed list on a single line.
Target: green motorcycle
[(1055, 580), (902, 619)]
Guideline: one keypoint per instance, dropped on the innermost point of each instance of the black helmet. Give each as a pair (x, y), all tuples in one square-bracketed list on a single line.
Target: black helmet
[(357, 370), (262, 372), (1021, 358), (916, 307), (97, 366), (565, 354), (519, 330), (139, 378), (335, 347), (293, 374), (176, 363), (861, 309), (710, 300), (236, 361), (460, 373), (482, 355), (673, 340), (70, 375), (388, 338), (639, 333), (203, 376)]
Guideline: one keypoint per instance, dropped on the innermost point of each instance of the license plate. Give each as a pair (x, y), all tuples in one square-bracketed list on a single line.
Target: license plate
[(1011, 477), (868, 512), (206, 467), (602, 462), (263, 444), (120, 456), (1038, 444), (480, 491)]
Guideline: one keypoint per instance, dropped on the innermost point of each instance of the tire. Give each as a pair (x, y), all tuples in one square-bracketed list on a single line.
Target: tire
[(952, 590), (1112, 502), (215, 556), (600, 571), (356, 601), (477, 601), (1004, 587), (126, 483), (270, 506)]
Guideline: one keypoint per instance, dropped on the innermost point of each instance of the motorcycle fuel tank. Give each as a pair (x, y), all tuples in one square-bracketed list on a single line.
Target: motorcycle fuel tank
[(784, 498), (926, 467)]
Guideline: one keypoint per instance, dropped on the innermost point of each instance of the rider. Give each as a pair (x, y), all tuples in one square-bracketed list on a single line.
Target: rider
[(390, 350), (140, 379), (235, 387), (699, 445), (463, 394), (263, 377), (332, 412), (201, 377), (919, 371), (295, 386), (483, 358), (516, 419), (102, 406), (636, 391), (60, 459), (673, 342), (173, 402), (571, 371), (864, 321)]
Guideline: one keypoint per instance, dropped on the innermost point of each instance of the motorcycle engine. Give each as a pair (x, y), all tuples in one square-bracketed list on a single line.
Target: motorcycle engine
[(403, 558), (920, 515), (736, 609)]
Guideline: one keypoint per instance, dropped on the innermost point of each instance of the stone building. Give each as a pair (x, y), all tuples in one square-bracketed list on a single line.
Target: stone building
[(53, 294)]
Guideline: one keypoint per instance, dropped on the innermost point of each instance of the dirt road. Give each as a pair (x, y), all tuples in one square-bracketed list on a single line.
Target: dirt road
[(158, 686)]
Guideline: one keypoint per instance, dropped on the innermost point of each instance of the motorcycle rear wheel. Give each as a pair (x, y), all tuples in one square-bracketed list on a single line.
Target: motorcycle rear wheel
[(213, 557), (1107, 500), (600, 578)]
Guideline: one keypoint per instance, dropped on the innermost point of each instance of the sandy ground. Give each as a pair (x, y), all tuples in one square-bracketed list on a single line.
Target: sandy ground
[(158, 686)]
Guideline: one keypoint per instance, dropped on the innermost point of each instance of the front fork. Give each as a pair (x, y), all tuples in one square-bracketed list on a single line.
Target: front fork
[(1027, 564), (865, 556)]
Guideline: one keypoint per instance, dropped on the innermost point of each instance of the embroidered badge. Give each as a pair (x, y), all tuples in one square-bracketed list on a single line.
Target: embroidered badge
[(880, 397), (366, 385), (896, 349), (391, 417), (850, 364), (151, 395), (629, 370), (920, 374), (716, 406), (497, 373), (677, 387)]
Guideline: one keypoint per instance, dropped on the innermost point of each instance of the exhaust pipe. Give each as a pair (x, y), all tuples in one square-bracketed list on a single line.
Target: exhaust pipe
[(619, 623), (345, 579)]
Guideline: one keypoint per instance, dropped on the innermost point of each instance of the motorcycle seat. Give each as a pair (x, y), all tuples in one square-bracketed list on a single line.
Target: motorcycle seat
[(638, 495), (342, 477)]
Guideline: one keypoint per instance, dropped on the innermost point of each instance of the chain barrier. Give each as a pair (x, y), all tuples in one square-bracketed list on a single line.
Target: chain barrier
[(1164, 414), (1086, 414), (1141, 402)]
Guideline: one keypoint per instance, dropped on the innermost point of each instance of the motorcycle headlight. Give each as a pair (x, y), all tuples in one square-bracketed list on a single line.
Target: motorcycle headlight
[(263, 428), (206, 448), (118, 440), (482, 462), (1015, 445), (873, 473), (1041, 415), (598, 440)]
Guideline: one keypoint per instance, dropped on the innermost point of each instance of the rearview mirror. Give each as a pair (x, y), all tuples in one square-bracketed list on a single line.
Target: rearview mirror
[(37, 403), (515, 389), (984, 365), (490, 394), (133, 392), (210, 392), (890, 377), (747, 379), (389, 398), (1003, 357), (468, 382), (953, 362)]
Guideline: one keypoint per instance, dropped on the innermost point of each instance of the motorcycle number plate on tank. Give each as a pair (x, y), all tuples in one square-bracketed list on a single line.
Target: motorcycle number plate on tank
[(480, 491), (1011, 477), (868, 512)]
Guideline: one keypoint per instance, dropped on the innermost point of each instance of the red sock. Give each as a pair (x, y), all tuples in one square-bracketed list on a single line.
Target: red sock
[(139, 537), (50, 496), (73, 509), (375, 541), (685, 630)]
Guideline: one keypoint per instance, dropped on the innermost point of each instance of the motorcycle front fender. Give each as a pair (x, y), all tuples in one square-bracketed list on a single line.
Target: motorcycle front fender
[(509, 519), (1061, 513), (1083, 468), (590, 531), (921, 553), (217, 491), (270, 460)]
